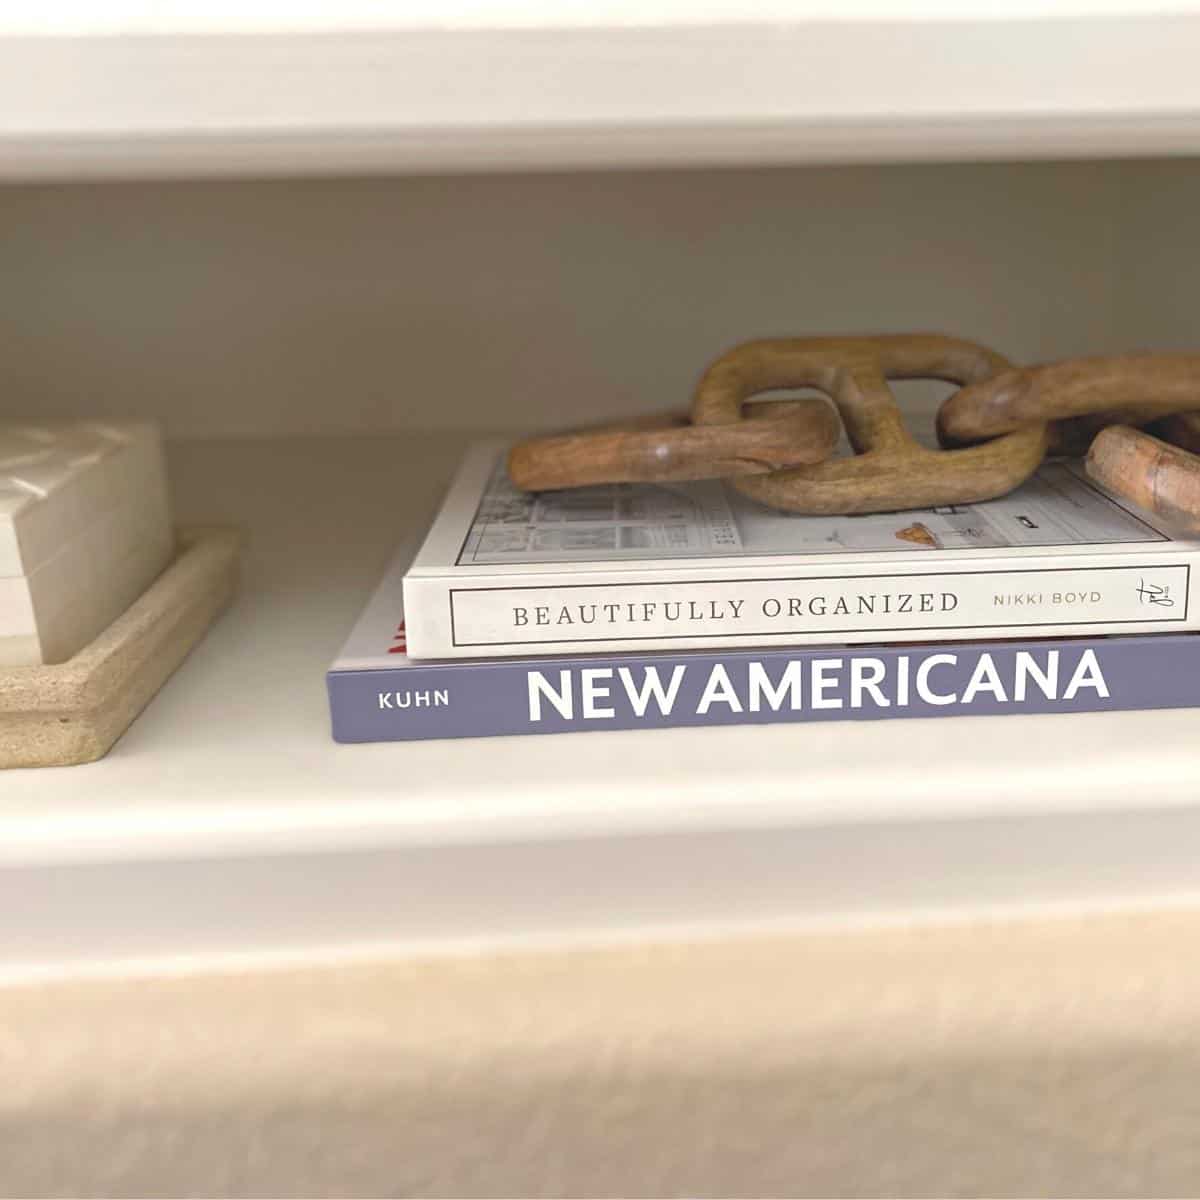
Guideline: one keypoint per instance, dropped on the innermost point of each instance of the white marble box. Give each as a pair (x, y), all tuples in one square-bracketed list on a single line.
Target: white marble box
[(85, 527)]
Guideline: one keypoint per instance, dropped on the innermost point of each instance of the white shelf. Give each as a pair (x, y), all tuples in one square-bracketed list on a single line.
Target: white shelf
[(227, 820), (491, 86)]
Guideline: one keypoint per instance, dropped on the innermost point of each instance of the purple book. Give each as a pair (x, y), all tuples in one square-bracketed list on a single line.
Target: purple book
[(378, 694)]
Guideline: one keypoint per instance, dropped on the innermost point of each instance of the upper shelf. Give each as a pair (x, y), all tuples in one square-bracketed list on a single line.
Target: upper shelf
[(277, 88)]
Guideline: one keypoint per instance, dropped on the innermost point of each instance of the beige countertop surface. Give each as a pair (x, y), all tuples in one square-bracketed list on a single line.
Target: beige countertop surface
[(1052, 1057)]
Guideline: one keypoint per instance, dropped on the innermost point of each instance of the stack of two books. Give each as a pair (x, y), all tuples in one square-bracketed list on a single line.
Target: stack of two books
[(637, 606)]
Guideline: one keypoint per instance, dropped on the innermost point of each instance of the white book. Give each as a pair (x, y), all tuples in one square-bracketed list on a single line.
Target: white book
[(635, 566)]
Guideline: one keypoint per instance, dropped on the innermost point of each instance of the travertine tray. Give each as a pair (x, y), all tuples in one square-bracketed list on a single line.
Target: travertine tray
[(73, 712)]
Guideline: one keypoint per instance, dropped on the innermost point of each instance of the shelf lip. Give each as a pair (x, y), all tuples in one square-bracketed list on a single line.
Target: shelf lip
[(765, 92), (672, 806), (267, 154)]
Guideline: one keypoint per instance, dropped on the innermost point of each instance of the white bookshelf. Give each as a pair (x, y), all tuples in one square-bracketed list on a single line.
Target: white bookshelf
[(242, 310), (478, 85), (532, 215), (226, 822)]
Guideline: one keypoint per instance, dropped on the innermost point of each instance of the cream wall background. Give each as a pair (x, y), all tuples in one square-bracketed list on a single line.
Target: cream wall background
[(532, 300), (159, 16), (1051, 1058)]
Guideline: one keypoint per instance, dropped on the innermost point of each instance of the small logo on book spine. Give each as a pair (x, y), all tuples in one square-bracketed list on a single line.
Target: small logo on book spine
[(1155, 593)]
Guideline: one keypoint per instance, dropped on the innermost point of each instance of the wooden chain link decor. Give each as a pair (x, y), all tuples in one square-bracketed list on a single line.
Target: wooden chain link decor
[(995, 430), (670, 448), (889, 469), (1104, 399)]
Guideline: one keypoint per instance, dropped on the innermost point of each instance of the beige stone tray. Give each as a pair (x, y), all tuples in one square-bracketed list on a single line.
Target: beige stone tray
[(73, 712)]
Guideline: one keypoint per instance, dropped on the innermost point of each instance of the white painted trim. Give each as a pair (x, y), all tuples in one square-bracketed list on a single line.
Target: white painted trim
[(455, 99)]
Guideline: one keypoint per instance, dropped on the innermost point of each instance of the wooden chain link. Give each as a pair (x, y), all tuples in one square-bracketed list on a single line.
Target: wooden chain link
[(670, 449), (995, 430), (1102, 399), (889, 470)]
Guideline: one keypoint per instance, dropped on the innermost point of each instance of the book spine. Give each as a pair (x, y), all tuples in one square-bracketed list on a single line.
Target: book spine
[(482, 699), (470, 620)]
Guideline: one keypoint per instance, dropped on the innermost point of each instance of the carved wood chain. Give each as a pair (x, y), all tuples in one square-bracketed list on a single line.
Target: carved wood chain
[(995, 430)]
